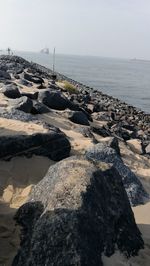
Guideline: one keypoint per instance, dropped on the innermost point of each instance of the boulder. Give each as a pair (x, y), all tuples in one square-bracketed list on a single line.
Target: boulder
[(31, 95), (76, 213), (16, 76), (23, 103), (135, 191), (79, 117), (25, 83), (19, 70), (54, 100), (4, 75), (53, 144), (135, 145), (102, 131), (33, 78), (39, 108), (87, 112), (11, 91)]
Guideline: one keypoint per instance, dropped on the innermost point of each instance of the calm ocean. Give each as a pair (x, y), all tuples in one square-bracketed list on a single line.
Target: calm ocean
[(128, 80)]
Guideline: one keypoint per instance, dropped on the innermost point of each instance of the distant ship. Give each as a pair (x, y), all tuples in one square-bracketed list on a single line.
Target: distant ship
[(45, 51), (140, 60)]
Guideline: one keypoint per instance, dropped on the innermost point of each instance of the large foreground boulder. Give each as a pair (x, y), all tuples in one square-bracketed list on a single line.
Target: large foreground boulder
[(53, 144), (76, 213), (135, 191)]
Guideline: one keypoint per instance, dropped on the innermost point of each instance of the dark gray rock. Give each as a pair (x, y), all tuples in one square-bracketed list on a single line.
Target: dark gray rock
[(135, 191), (79, 117), (25, 83), (16, 76), (54, 100), (102, 131), (77, 212), (4, 75), (86, 112), (32, 96), (23, 103), (11, 91), (34, 79), (19, 70), (54, 145), (39, 108)]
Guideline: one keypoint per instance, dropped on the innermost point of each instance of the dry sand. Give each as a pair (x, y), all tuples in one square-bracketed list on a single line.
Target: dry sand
[(16, 180), (15, 127)]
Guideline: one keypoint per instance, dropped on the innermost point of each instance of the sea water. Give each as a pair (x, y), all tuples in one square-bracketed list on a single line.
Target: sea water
[(125, 79)]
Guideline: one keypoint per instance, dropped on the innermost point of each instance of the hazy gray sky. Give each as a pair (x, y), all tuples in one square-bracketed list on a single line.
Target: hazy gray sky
[(116, 28)]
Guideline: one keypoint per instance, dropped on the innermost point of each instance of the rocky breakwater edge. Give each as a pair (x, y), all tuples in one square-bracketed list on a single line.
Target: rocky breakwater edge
[(74, 172)]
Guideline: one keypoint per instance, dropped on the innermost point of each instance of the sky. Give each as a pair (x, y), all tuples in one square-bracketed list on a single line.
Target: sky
[(109, 28)]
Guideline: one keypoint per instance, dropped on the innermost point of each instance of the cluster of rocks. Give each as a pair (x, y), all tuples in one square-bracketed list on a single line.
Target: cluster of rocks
[(81, 208)]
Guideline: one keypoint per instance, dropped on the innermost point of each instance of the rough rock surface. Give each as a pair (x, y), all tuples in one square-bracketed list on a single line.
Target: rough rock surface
[(135, 191), (16, 115), (11, 91), (4, 75), (32, 96), (77, 212), (55, 100), (79, 117), (35, 79), (102, 131), (54, 145), (39, 108), (23, 104), (113, 143)]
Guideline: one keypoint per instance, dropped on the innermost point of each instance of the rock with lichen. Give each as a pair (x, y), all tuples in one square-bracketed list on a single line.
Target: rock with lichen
[(78, 211)]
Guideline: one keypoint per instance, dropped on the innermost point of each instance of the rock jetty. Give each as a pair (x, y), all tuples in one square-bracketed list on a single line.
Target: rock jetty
[(94, 154)]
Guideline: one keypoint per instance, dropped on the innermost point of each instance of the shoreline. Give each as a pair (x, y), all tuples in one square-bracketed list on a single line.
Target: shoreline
[(86, 87), (48, 72), (48, 133)]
